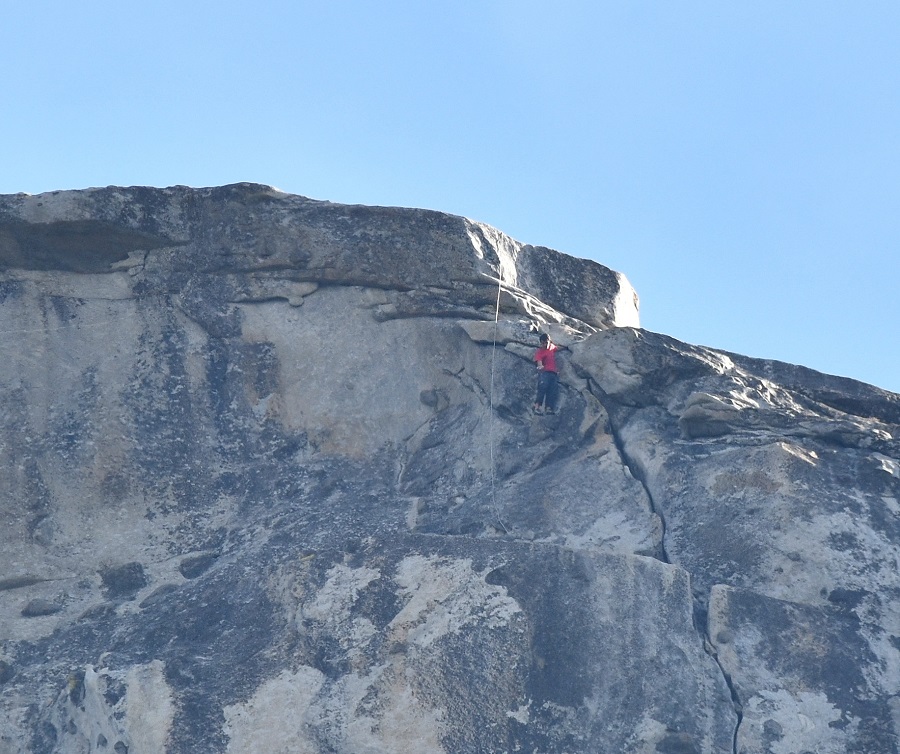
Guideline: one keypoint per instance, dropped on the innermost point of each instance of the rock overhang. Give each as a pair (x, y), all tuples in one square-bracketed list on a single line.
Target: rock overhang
[(259, 230)]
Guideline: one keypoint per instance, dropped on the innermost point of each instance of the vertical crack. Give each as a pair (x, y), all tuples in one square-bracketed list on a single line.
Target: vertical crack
[(738, 708), (729, 682), (700, 602)]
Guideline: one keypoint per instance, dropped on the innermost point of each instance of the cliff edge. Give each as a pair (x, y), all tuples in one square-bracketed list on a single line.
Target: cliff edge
[(272, 483)]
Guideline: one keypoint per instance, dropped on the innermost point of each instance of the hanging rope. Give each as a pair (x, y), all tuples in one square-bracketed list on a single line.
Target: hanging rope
[(491, 418), (72, 324)]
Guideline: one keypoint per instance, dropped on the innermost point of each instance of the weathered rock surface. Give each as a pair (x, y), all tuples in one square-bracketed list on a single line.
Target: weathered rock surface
[(272, 484), (778, 488)]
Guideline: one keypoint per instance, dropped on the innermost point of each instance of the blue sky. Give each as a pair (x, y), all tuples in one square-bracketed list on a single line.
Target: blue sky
[(738, 161)]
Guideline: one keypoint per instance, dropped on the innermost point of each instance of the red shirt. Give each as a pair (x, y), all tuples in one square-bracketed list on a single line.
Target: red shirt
[(547, 357)]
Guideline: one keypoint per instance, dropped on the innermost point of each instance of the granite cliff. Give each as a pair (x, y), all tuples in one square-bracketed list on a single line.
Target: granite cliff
[(271, 484)]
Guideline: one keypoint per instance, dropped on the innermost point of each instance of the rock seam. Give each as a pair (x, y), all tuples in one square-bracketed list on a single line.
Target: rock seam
[(701, 626)]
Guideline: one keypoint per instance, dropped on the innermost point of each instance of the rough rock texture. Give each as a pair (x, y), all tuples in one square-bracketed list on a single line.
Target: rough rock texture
[(271, 484)]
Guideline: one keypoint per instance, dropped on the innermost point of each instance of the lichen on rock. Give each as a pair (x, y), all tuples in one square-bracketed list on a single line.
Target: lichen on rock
[(272, 482)]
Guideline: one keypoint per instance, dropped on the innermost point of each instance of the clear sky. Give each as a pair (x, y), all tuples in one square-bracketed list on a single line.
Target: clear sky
[(738, 161)]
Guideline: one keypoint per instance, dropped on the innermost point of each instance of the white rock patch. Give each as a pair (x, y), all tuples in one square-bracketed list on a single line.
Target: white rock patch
[(890, 465), (275, 718), (443, 597), (799, 722)]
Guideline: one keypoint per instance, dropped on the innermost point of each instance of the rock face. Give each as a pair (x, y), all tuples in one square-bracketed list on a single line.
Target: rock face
[(271, 484)]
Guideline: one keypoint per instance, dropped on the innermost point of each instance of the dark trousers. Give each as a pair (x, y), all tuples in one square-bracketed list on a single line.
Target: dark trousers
[(548, 389)]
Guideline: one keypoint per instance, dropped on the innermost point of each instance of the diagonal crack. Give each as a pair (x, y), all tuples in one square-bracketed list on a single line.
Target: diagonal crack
[(633, 466), (700, 602)]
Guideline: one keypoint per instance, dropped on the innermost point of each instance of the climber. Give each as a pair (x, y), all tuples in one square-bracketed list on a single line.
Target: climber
[(548, 378)]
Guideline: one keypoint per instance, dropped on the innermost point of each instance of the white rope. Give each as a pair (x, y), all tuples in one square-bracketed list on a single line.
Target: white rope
[(491, 419), (73, 323)]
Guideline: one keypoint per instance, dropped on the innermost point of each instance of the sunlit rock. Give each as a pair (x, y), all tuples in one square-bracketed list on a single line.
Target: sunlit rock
[(272, 482)]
